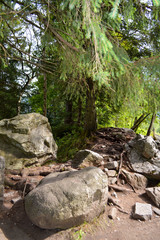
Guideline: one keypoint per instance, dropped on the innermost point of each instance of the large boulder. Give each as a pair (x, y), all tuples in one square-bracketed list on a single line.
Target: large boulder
[(87, 158), (2, 165), (67, 199), (144, 156), (26, 140)]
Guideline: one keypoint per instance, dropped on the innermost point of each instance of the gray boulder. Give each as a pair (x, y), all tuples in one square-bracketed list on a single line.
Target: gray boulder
[(154, 194), (144, 156), (137, 180), (67, 199), (26, 140), (2, 165), (87, 158)]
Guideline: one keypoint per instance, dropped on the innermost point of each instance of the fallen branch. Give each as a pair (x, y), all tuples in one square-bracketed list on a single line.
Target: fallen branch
[(23, 195), (121, 210), (128, 181), (110, 199), (120, 165), (120, 189)]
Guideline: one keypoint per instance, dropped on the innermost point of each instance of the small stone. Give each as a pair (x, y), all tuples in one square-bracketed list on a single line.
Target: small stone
[(112, 213), (114, 194), (122, 182), (103, 146), (106, 170), (156, 210), (110, 159), (111, 165), (112, 173), (142, 211), (154, 194), (112, 180)]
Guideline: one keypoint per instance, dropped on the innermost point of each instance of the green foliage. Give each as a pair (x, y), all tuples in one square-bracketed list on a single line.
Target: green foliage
[(70, 143), (114, 43), (114, 11), (9, 90), (79, 235), (156, 3)]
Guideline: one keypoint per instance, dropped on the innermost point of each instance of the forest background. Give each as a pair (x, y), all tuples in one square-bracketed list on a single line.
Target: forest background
[(85, 64)]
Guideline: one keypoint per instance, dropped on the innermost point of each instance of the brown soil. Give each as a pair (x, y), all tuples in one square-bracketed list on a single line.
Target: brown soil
[(14, 224)]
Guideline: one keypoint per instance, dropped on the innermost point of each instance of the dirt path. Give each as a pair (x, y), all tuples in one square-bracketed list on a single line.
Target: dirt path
[(16, 226)]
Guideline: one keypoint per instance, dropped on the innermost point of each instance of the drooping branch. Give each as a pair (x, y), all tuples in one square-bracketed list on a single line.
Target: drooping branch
[(45, 22), (27, 54), (53, 30), (29, 79)]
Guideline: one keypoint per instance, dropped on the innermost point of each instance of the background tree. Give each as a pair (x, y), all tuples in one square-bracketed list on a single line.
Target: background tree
[(101, 58)]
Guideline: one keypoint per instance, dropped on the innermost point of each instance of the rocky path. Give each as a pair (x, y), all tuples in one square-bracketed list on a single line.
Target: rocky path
[(15, 225)]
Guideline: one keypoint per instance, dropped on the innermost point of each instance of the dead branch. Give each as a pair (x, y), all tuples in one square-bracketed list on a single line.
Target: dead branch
[(120, 189), (24, 190), (121, 210), (120, 166), (110, 199), (128, 181)]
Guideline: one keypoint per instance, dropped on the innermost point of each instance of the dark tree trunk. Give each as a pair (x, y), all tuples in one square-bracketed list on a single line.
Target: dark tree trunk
[(79, 111), (90, 117), (45, 95), (151, 124), (138, 121), (69, 112), (21, 94)]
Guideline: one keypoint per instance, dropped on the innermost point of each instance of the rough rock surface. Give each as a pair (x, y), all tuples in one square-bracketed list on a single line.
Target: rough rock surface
[(144, 156), (143, 211), (137, 180), (67, 199), (113, 165), (87, 158), (2, 165), (26, 140), (154, 194)]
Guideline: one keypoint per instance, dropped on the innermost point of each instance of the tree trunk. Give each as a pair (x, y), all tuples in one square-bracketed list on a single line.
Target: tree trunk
[(19, 104), (21, 94), (138, 121), (151, 124), (79, 111), (69, 112), (90, 117), (45, 95)]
